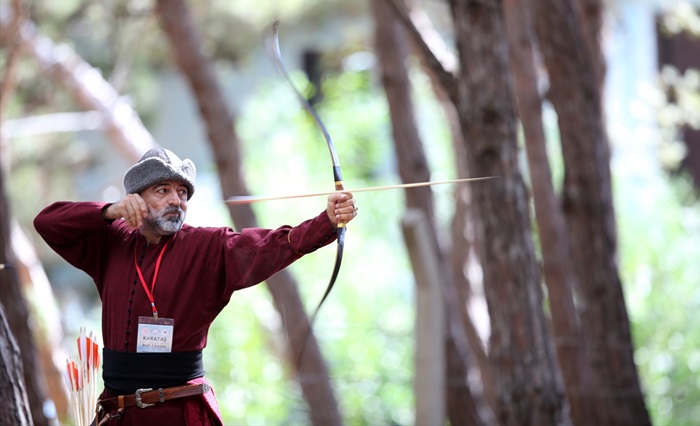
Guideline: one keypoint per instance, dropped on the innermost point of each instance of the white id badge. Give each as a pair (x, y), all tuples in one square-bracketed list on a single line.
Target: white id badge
[(155, 334)]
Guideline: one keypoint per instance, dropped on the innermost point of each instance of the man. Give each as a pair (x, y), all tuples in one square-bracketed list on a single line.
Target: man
[(163, 282)]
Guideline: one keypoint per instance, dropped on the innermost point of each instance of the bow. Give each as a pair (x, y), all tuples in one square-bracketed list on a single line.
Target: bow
[(337, 176)]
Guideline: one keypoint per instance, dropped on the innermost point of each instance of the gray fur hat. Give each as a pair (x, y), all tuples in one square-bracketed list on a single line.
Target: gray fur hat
[(159, 165)]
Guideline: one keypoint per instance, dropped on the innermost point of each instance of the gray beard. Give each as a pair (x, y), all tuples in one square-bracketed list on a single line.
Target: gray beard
[(159, 223)]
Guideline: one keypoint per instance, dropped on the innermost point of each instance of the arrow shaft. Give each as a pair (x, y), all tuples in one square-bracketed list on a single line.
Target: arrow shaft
[(250, 199)]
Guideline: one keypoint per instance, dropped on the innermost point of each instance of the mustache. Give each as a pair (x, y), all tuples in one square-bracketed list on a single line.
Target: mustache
[(165, 211), (169, 210)]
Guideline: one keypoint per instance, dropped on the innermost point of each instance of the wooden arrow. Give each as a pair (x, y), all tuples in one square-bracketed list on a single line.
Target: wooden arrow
[(249, 199)]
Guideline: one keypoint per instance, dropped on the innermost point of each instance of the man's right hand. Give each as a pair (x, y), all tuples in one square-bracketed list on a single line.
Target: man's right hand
[(131, 208)]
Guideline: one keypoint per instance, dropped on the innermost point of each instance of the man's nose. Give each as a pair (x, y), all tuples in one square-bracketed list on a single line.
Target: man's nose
[(174, 198)]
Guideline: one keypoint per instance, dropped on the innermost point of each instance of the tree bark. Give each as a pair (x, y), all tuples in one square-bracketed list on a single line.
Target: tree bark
[(591, 14), (588, 208), (14, 410), (559, 278), (312, 372), (438, 62), (47, 331), (463, 405), (528, 378), (19, 322)]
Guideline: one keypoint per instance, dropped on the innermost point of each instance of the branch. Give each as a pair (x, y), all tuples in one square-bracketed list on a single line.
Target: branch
[(86, 84), (10, 29), (429, 46)]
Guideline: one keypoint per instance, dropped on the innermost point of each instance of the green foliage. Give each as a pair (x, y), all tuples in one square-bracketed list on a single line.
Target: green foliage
[(659, 243), (679, 16), (247, 378), (679, 108)]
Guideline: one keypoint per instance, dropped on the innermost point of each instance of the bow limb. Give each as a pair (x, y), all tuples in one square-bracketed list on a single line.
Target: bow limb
[(337, 176)]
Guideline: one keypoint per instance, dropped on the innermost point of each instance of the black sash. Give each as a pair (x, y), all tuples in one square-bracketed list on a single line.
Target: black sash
[(125, 372)]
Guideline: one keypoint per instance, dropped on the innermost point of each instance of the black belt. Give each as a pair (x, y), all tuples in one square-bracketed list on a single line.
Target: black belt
[(126, 372)]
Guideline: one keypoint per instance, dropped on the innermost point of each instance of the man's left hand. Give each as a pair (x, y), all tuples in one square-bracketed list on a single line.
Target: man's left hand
[(341, 207)]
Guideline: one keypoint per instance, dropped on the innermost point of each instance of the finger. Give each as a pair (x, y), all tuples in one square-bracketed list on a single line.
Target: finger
[(142, 206), (135, 202), (136, 218), (340, 197), (344, 208), (348, 213), (132, 212), (130, 215), (129, 206), (346, 204)]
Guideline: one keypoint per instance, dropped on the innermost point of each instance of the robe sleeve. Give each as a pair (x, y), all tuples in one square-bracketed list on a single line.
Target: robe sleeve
[(78, 233), (255, 254)]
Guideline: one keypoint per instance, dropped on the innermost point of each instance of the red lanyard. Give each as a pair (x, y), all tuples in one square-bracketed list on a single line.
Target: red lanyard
[(149, 293)]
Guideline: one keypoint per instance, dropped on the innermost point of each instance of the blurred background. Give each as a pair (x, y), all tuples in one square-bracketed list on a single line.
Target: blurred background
[(75, 73)]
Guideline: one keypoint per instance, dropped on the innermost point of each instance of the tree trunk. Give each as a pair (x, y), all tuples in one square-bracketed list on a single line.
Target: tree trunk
[(47, 332), (312, 371), (14, 410), (438, 63), (591, 18), (559, 278), (528, 378), (392, 50), (18, 320), (588, 208), (21, 351)]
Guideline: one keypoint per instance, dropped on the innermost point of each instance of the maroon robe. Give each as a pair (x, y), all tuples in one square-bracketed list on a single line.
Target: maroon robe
[(200, 269)]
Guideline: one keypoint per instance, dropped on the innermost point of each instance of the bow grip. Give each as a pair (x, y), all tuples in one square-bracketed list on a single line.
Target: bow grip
[(338, 177)]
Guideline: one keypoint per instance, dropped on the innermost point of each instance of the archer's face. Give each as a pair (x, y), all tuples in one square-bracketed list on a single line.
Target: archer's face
[(167, 205)]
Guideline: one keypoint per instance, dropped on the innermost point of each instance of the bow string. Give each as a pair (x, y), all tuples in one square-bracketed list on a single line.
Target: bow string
[(337, 176)]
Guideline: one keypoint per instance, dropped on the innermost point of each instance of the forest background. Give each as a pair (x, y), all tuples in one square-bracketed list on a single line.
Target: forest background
[(366, 330)]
